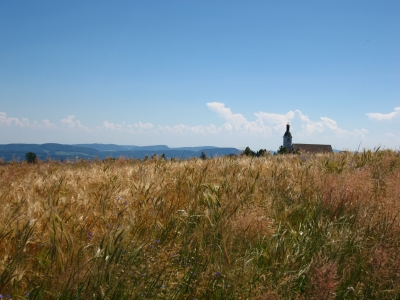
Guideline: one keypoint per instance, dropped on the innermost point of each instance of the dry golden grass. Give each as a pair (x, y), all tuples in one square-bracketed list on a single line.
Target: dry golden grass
[(281, 227)]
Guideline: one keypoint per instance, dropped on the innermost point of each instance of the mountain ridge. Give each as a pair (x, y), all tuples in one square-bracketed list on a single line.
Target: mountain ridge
[(55, 151)]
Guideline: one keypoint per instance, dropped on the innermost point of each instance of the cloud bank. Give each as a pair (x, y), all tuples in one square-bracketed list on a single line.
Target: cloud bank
[(272, 124), (236, 130)]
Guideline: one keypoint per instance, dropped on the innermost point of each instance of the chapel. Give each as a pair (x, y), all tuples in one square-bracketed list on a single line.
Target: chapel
[(303, 148)]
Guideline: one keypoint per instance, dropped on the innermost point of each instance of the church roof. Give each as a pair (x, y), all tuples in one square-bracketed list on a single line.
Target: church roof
[(313, 148), (287, 133)]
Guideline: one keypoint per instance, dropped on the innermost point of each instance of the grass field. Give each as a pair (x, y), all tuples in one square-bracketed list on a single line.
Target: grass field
[(275, 227)]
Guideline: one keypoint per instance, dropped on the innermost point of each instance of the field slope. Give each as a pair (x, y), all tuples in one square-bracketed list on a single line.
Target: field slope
[(275, 227)]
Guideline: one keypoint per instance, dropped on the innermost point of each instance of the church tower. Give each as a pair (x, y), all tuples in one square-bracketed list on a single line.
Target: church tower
[(287, 138)]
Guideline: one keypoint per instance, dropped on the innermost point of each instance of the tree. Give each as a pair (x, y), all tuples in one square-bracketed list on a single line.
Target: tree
[(203, 155), (261, 152), (249, 152), (31, 158), (163, 157), (282, 150)]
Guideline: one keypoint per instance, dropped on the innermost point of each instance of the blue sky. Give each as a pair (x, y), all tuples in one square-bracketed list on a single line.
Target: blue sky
[(190, 73)]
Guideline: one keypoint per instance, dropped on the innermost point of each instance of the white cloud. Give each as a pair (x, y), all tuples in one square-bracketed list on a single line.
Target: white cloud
[(301, 122), (265, 130), (72, 124), (24, 122), (329, 123), (137, 127), (45, 124), (236, 121), (112, 126), (12, 121), (389, 135), (143, 126), (272, 124), (278, 121), (384, 117)]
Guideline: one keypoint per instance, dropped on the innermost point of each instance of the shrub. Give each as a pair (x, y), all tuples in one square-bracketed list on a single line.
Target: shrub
[(31, 158)]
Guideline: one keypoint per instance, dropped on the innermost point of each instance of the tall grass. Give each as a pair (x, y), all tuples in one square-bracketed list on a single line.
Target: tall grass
[(282, 227)]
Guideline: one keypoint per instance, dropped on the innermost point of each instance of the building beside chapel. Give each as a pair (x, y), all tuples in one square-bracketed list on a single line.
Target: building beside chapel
[(303, 148)]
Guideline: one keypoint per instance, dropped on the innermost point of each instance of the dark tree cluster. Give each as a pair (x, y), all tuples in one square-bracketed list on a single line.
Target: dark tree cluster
[(283, 150), (251, 153)]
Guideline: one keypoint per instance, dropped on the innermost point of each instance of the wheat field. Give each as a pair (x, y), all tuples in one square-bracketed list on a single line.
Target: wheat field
[(273, 227)]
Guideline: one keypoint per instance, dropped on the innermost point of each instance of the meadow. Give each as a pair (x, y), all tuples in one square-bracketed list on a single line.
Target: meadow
[(273, 227)]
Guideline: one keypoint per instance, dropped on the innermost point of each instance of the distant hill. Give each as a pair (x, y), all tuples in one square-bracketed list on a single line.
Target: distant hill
[(55, 151), (102, 147), (113, 147)]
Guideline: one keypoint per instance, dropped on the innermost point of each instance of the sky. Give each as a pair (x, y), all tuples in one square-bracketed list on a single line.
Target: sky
[(196, 73)]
